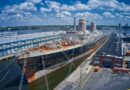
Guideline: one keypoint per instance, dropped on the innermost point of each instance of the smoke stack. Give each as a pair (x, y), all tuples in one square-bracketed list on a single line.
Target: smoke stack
[(93, 26), (74, 24), (82, 25), (119, 25)]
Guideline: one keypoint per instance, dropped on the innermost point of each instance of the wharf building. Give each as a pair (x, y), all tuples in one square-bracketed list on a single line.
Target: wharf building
[(17, 43), (110, 54), (126, 50)]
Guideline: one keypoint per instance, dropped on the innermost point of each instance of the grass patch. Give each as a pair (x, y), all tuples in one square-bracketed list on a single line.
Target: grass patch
[(55, 77)]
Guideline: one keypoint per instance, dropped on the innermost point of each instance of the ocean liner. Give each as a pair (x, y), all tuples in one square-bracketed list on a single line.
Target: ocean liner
[(71, 45), (36, 52)]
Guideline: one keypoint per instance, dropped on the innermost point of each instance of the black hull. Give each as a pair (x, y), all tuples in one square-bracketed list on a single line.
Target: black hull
[(35, 64)]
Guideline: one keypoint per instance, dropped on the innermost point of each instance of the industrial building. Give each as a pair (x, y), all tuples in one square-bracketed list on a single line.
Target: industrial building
[(10, 44), (126, 51), (110, 54)]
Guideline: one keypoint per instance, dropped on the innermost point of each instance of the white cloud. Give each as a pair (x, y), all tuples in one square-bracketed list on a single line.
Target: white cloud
[(108, 4), (9, 9), (108, 15), (21, 8), (27, 6), (89, 16), (92, 4), (42, 9), (63, 7), (28, 14), (66, 13), (80, 6), (28, 9), (128, 17), (21, 11), (19, 15), (119, 16), (60, 15), (75, 7), (126, 13), (63, 14), (67, 8), (54, 5)]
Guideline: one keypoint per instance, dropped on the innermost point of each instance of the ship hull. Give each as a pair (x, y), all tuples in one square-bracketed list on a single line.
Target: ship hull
[(38, 63)]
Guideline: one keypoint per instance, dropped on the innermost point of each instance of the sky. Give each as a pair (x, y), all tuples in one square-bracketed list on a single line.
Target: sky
[(62, 12)]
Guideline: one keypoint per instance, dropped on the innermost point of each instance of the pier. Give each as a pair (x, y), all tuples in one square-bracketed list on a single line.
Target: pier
[(15, 44)]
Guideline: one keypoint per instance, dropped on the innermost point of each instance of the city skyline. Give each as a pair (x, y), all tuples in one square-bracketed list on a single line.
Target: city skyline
[(48, 12)]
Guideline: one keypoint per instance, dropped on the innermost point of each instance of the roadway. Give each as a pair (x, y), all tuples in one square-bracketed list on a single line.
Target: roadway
[(105, 80), (10, 74), (112, 46)]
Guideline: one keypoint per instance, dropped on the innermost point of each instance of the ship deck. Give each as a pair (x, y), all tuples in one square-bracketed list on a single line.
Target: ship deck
[(45, 51), (39, 51)]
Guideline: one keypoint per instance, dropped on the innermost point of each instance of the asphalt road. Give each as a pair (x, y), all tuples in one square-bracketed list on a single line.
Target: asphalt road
[(112, 47), (105, 80), (10, 74)]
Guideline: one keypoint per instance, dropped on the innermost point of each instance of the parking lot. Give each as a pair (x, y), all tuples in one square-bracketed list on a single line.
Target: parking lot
[(105, 80)]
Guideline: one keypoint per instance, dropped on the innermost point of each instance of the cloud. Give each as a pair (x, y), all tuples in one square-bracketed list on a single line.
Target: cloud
[(19, 12), (27, 6), (54, 5), (108, 15), (67, 8), (108, 4), (92, 10), (19, 15), (21, 8), (75, 7), (42, 9), (126, 13), (63, 14), (80, 6), (88, 15), (119, 16), (66, 13), (128, 17)]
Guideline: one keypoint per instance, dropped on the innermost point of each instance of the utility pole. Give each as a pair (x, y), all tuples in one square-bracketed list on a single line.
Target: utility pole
[(23, 71), (46, 80)]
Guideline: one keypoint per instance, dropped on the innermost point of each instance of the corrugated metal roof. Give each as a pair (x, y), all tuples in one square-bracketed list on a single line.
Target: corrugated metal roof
[(28, 36)]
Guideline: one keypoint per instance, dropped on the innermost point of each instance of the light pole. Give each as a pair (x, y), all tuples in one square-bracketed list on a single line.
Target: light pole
[(23, 70), (46, 80)]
